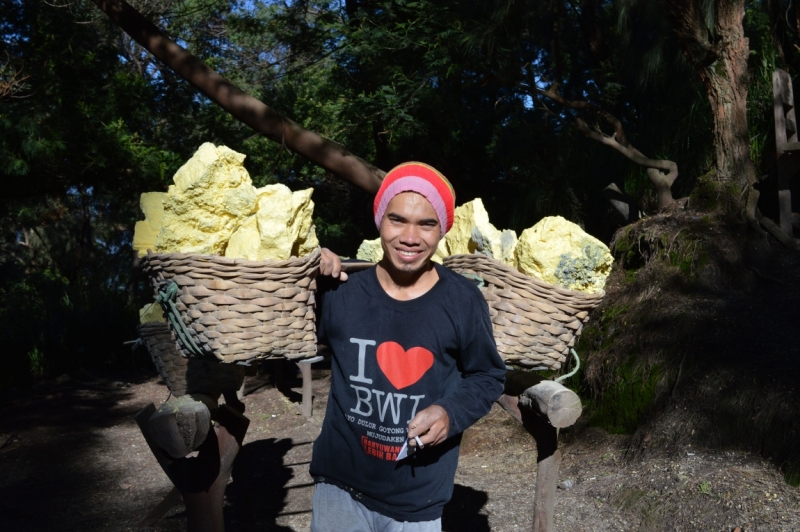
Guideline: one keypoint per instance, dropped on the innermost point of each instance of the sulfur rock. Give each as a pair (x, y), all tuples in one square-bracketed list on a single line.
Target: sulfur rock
[(441, 251), (245, 242), (561, 253), (482, 243), (302, 223), (146, 231), (508, 245), (212, 196), (281, 227), (473, 232), (370, 250), (151, 312)]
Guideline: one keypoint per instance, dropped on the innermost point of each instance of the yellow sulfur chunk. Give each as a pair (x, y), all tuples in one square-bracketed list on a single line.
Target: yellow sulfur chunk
[(302, 223), (473, 232), (561, 253), (370, 250), (212, 196), (145, 232), (441, 251), (245, 242), (508, 245), (150, 313), (281, 227), (307, 245)]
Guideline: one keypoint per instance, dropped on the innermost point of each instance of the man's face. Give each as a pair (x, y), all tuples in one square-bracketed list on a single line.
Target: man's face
[(410, 232)]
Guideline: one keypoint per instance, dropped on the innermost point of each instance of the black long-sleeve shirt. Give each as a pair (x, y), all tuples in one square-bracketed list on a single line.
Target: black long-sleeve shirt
[(392, 359)]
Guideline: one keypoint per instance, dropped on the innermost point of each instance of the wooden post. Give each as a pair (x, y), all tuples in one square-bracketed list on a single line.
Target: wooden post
[(543, 409), (786, 144), (172, 498), (305, 408), (201, 479)]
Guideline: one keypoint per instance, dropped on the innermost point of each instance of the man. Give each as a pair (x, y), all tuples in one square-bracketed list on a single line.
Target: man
[(414, 363)]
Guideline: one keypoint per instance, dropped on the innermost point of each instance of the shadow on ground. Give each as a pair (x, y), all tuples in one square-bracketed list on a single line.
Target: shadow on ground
[(55, 461), (257, 495), (463, 511)]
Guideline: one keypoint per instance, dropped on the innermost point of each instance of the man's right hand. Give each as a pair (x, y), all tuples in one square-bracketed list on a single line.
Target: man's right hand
[(331, 264)]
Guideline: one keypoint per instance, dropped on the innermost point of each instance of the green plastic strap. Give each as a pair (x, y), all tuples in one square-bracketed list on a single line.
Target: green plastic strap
[(474, 277), (574, 371), (166, 297)]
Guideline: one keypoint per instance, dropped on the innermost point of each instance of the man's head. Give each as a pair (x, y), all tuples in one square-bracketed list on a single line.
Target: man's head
[(413, 211)]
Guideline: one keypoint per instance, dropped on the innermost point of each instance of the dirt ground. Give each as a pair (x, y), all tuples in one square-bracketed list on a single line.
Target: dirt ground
[(72, 458)]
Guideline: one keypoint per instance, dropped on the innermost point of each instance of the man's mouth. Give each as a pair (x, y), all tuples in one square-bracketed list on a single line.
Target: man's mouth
[(408, 255)]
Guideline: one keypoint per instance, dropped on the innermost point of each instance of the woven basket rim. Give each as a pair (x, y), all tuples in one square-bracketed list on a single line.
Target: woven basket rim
[(225, 261), (516, 274)]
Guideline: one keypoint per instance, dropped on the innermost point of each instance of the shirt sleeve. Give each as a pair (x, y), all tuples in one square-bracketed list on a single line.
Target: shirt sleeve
[(483, 371), (324, 286)]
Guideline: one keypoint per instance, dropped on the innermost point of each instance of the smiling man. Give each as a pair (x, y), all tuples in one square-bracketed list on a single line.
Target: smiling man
[(414, 364)]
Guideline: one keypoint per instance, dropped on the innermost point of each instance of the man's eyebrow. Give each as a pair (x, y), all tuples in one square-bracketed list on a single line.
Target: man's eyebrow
[(395, 216)]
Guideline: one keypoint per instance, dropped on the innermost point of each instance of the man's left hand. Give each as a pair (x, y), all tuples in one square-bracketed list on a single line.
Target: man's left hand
[(330, 264), (432, 425)]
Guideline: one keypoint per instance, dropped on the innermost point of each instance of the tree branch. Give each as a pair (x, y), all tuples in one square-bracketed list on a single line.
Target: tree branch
[(662, 173), (12, 81), (580, 105)]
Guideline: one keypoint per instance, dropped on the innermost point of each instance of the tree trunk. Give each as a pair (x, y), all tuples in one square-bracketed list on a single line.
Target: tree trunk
[(719, 55), (319, 150)]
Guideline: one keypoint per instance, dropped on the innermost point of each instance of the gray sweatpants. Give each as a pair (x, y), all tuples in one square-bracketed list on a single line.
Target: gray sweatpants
[(334, 510)]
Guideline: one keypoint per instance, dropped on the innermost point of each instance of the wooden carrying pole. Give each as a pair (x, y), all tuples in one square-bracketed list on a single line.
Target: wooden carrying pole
[(543, 409)]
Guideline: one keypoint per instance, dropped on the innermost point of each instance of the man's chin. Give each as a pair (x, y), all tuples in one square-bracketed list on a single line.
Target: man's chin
[(409, 268)]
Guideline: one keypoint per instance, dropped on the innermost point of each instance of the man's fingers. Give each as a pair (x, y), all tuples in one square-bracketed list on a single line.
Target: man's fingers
[(419, 425), (331, 265), (431, 436), (431, 426)]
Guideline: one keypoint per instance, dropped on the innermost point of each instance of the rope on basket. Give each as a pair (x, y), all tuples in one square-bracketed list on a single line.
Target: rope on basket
[(166, 297), (574, 371), (477, 279)]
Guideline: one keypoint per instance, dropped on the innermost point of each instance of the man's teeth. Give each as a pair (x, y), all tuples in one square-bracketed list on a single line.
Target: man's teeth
[(408, 253)]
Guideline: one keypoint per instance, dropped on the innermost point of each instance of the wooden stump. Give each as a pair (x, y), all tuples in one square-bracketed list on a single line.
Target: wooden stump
[(200, 479), (561, 406), (180, 426), (543, 409)]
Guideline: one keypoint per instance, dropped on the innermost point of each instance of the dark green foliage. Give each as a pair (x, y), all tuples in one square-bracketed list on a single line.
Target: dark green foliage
[(621, 408), (98, 121)]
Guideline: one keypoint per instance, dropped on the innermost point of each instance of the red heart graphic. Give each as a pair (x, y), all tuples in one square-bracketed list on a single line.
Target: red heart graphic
[(403, 368)]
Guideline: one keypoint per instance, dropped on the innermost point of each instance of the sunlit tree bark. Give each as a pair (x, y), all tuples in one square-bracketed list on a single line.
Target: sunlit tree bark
[(712, 38)]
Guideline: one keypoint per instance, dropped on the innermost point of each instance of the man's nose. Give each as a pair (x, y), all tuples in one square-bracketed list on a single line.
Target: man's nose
[(410, 235)]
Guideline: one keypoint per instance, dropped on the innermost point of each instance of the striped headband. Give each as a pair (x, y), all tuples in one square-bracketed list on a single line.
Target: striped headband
[(422, 179)]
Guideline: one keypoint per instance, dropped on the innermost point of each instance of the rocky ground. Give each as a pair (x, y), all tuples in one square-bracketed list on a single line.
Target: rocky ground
[(72, 458)]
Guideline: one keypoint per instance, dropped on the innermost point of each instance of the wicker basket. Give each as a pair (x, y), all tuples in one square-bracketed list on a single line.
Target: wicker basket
[(239, 310), (535, 323), (187, 375)]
